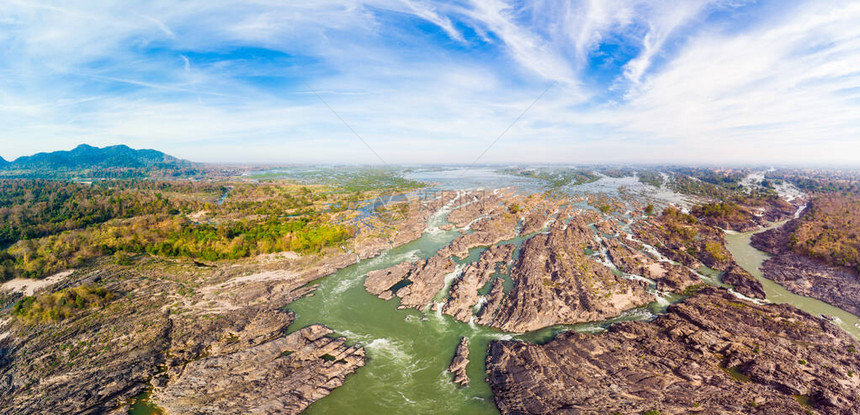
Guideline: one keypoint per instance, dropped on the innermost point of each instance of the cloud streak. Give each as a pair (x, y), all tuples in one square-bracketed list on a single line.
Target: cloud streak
[(720, 81)]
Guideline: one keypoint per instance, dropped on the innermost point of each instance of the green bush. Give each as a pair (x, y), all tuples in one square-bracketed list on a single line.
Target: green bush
[(52, 307)]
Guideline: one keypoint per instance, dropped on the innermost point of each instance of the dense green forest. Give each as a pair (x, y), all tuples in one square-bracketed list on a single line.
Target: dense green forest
[(48, 226), (36, 208)]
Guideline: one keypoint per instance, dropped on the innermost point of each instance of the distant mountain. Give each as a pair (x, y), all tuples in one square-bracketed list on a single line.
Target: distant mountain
[(3, 162), (89, 157), (118, 161)]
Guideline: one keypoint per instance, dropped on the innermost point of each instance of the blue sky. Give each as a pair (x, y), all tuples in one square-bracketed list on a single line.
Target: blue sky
[(694, 81)]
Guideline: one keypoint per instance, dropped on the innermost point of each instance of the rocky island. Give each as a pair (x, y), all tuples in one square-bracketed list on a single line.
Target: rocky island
[(770, 359)]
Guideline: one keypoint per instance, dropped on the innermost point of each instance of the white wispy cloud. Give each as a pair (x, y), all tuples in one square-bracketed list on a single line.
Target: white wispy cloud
[(693, 81)]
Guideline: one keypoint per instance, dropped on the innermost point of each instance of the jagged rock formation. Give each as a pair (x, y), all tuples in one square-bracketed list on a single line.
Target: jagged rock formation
[(459, 363), (464, 296), (469, 206), (667, 276), (540, 212), (771, 359), (415, 283), (555, 282), (427, 279), (88, 362), (681, 238), (491, 307), (743, 282), (96, 360), (380, 282), (487, 231), (284, 375)]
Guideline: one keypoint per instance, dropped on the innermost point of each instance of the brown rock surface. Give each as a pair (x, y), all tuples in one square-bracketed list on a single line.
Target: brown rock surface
[(494, 301), (424, 278), (464, 290), (540, 211), (667, 276), (673, 278), (743, 282), (428, 278), (556, 283), (486, 231), (283, 375), (469, 206), (711, 354), (681, 238), (379, 282), (459, 363)]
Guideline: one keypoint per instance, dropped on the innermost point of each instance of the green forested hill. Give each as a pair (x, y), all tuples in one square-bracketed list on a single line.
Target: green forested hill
[(118, 161)]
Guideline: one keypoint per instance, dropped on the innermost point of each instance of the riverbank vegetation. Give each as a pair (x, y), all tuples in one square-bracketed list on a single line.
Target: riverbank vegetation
[(48, 226), (830, 231), (35, 208)]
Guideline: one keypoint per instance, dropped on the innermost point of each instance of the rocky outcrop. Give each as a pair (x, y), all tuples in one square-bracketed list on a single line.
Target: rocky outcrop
[(427, 279), (671, 277), (743, 282), (89, 362), (494, 301), (468, 206), (745, 218), (283, 375), (711, 354), (381, 281), (555, 282), (463, 296), (835, 285), (667, 276), (539, 214), (459, 363), (486, 232), (97, 359), (681, 238), (417, 284)]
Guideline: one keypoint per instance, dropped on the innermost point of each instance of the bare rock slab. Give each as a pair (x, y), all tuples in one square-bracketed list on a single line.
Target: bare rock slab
[(281, 376)]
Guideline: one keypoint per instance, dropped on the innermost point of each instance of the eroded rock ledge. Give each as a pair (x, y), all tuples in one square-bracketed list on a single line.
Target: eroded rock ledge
[(556, 283), (770, 359), (681, 238), (284, 375), (553, 281), (459, 363)]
